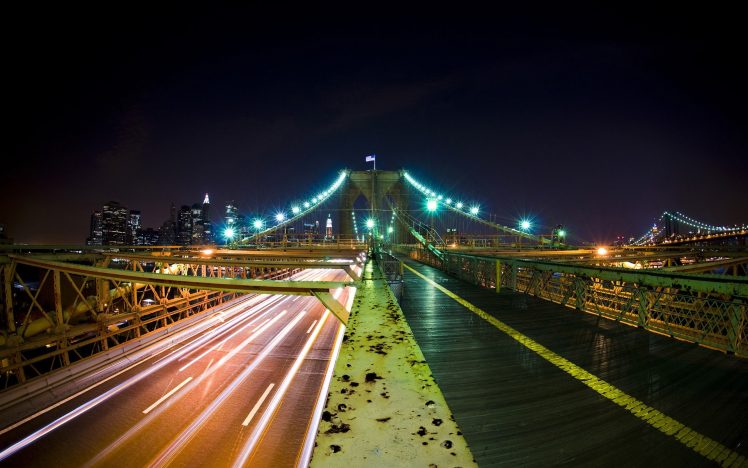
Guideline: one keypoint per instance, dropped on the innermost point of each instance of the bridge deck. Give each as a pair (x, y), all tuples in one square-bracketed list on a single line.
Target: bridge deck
[(516, 407)]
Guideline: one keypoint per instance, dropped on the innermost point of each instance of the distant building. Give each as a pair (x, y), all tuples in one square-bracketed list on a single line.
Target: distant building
[(96, 231), (114, 219), (167, 233), (148, 236), (207, 224), (452, 236), (231, 216), (133, 227), (184, 226), (328, 228), (311, 229), (198, 234)]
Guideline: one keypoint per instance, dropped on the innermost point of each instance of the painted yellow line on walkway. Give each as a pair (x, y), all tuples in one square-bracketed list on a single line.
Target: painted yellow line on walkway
[(701, 444)]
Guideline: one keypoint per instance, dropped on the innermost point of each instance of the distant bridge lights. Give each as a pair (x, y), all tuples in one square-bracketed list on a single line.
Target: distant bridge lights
[(280, 217), (258, 223), (431, 205), (474, 210), (459, 205), (370, 223), (448, 201), (525, 224), (561, 233), (229, 233), (295, 210)]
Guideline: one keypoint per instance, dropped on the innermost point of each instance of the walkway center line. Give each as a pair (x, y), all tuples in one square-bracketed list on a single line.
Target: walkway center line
[(700, 443)]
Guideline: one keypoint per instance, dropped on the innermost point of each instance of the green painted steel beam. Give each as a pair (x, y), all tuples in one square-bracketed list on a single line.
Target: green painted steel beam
[(230, 262), (192, 282), (733, 286)]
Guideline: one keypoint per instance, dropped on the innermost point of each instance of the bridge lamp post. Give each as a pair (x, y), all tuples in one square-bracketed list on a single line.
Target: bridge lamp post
[(370, 223), (280, 217), (258, 224), (229, 233), (524, 225), (431, 205)]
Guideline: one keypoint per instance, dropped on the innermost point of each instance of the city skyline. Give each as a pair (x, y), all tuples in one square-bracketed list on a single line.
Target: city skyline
[(599, 121)]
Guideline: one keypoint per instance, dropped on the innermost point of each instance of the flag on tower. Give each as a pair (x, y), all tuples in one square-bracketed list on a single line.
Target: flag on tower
[(371, 157)]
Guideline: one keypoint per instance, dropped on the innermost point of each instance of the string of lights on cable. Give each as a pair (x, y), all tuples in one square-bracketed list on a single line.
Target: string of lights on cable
[(298, 209)]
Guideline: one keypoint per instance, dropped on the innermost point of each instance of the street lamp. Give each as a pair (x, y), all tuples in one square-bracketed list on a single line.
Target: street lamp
[(431, 205), (229, 233), (524, 225), (258, 223)]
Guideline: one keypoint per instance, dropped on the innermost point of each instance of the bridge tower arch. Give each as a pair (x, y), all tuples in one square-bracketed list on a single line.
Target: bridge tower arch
[(378, 188)]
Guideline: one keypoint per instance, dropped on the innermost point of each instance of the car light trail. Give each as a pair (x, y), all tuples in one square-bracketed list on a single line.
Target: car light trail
[(165, 457), (31, 438), (252, 413), (171, 392), (270, 410), (144, 422)]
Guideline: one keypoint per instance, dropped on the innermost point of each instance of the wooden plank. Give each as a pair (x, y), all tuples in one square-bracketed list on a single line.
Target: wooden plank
[(516, 408)]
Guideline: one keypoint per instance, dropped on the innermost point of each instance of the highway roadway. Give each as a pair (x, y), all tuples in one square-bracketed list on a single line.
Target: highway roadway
[(247, 390)]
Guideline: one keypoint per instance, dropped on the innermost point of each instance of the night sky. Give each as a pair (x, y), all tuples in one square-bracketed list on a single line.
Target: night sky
[(598, 119)]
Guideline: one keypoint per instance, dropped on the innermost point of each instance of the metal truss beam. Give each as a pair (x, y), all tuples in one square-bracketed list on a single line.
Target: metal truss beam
[(191, 282), (333, 305), (710, 310)]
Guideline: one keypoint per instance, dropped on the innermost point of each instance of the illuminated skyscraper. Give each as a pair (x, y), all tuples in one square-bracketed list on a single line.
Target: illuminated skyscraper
[(232, 214), (207, 224), (115, 220), (96, 235), (198, 233), (133, 226), (328, 228), (184, 226)]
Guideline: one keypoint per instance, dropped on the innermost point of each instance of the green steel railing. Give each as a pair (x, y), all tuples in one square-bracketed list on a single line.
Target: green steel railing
[(710, 310)]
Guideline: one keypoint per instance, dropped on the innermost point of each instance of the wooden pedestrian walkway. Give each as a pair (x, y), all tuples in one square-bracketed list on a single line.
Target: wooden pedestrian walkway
[(533, 383)]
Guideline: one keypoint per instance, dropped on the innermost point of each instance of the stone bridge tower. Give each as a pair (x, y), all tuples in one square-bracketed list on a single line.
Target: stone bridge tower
[(377, 187)]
